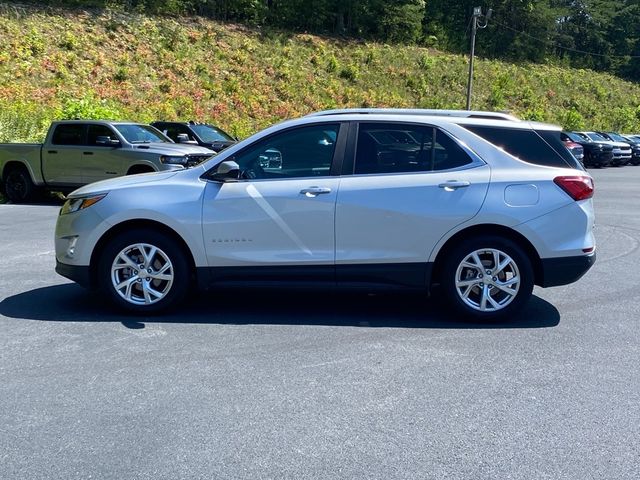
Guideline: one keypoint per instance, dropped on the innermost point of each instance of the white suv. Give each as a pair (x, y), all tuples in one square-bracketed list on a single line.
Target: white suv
[(483, 208)]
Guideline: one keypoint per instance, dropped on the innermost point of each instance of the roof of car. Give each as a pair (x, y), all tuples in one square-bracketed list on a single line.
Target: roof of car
[(105, 122), (189, 123), (432, 119), (417, 111)]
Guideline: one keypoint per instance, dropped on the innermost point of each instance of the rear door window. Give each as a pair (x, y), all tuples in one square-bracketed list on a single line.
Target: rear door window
[(540, 147), (403, 148), (68, 134)]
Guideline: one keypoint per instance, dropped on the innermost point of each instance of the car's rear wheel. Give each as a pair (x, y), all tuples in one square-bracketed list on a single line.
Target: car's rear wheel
[(144, 271), (487, 278), (18, 186)]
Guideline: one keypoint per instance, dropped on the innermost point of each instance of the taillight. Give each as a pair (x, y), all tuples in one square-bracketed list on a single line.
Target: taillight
[(578, 187)]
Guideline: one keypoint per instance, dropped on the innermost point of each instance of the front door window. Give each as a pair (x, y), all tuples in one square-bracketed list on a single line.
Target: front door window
[(298, 153)]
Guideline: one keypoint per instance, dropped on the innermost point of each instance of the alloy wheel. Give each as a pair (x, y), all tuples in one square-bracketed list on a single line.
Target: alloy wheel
[(487, 280), (142, 274)]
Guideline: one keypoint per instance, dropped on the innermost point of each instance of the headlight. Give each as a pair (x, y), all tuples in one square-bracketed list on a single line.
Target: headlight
[(76, 204), (173, 160)]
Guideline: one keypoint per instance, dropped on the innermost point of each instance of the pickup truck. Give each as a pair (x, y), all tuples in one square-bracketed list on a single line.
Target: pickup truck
[(77, 152)]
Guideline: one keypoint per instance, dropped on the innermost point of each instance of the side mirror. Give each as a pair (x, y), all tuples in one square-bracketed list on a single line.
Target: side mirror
[(182, 138), (227, 171), (107, 141)]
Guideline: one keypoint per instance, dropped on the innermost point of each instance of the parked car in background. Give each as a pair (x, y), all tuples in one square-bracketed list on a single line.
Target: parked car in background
[(480, 209), (596, 154), (202, 134), (576, 150), (635, 145), (616, 137), (635, 148), (77, 152), (621, 150)]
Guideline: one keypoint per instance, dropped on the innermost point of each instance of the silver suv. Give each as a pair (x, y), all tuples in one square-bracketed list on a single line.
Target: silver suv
[(481, 208)]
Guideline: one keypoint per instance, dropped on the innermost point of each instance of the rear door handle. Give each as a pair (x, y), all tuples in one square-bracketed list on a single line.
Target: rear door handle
[(87, 153), (451, 185), (313, 191)]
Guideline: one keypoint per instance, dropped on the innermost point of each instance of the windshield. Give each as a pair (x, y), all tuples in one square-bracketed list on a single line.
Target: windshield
[(574, 137), (616, 137), (595, 137), (210, 134), (136, 133)]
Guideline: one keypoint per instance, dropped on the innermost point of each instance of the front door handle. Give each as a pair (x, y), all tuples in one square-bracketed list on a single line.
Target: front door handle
[(451, 185), (53, 152), (314, 191), (87, 153)]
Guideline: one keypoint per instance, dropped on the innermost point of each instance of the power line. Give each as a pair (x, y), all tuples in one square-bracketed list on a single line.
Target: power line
[(556, 45)]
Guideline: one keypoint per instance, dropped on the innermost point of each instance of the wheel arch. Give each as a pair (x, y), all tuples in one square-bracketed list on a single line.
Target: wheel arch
[(141, 168), (11, 164), (488, 229), (135, 224)]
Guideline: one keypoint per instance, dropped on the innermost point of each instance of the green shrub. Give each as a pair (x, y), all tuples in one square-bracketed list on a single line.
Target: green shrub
[(572, 120), (350, 72), (332, 64), (88, 108)]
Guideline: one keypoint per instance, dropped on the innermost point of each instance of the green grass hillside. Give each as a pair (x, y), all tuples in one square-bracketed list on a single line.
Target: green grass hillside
[(61, 64)]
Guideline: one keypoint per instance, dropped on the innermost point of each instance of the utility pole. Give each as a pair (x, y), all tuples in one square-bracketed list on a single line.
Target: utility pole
[(477, 14)]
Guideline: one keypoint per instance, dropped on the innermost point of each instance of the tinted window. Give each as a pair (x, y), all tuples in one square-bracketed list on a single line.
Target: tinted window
[(552, 137), (527, 145), (135, 133), (447, 153), (211, 134), (616, 137), (68, 134), (399, 148), (595, 137), (95, 131), (172, 131), (301, 152), (571, 136)]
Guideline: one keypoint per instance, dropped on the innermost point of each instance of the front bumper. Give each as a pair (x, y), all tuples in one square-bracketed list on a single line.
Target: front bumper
[(77, 273), (565, 270), (598, 157)]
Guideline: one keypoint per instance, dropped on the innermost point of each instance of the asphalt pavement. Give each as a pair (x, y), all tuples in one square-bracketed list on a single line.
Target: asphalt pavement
[(285, 385)]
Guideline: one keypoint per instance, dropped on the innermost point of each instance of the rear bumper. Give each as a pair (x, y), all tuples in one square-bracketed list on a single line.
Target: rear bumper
[(77, 273), (565, 270)]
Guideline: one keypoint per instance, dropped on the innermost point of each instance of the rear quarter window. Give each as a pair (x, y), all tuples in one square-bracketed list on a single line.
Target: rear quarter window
[(540, 147)]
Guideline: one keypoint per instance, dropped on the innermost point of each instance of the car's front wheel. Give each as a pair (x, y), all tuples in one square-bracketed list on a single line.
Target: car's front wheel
[(487, 278), (144, 271)]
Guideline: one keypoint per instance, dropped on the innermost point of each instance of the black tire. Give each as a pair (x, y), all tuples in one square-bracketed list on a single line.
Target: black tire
[(173, 292), (17, 185), (508, 304)]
